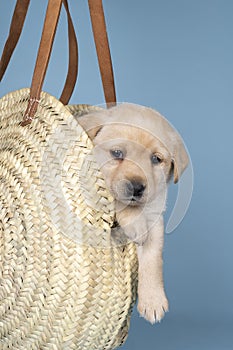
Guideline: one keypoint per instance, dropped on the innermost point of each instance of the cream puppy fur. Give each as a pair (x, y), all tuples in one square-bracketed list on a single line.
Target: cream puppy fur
[(139, 152)]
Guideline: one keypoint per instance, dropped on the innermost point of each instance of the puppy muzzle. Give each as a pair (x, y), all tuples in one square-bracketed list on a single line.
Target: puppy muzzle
[(134, 190), (130, 192)]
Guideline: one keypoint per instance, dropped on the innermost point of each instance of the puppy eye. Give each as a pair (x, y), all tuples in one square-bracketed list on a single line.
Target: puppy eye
[(155, 159), (117, 154)]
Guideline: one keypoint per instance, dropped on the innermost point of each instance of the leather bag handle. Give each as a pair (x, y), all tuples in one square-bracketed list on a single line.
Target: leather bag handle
[(44, 52), (103, 50), (72, 73), (16, 27), (42, 61)]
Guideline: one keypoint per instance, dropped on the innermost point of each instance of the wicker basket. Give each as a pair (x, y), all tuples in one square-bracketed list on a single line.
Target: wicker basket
[(65, 282)]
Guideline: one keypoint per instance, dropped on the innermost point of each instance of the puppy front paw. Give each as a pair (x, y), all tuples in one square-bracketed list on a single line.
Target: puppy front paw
[(154, 307)]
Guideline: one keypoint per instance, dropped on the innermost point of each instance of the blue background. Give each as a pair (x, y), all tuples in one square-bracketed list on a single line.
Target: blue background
[(177, 57)]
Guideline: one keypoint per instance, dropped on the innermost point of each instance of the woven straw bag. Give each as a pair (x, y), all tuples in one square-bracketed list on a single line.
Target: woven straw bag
[(66, 281)]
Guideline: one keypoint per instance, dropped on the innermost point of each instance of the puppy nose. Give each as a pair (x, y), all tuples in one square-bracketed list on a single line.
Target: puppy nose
[(135, 189)]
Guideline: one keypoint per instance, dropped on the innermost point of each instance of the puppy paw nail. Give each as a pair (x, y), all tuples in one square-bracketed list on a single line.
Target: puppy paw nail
[(154, 311)]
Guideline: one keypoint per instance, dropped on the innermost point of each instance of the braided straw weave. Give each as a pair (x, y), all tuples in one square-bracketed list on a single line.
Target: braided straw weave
[(65, 282)]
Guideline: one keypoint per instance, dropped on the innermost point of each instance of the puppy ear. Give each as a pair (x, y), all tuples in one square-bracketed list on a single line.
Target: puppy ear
[(92, 123), (180, 159)]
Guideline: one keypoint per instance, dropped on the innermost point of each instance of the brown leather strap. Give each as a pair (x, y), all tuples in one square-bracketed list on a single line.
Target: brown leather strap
[(73, 60), (103, 50), (16, 27), (44, 52), (14, 34), (45, 48), (50, 24)]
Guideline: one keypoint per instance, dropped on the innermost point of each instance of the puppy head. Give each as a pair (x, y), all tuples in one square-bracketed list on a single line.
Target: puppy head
[(137, 149)]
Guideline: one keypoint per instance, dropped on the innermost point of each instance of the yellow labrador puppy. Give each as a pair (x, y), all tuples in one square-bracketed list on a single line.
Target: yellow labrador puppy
[(138, 152)]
